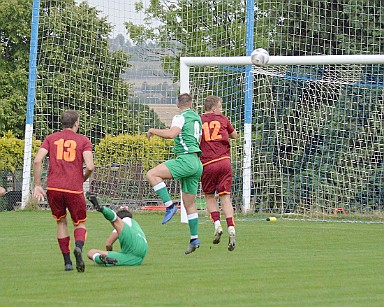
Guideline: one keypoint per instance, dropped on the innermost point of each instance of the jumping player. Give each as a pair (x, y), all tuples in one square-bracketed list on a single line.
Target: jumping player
[(217, 172), (186, 167)]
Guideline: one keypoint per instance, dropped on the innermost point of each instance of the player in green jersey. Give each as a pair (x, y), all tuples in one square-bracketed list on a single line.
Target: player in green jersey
[(133, 242), (185, 130)]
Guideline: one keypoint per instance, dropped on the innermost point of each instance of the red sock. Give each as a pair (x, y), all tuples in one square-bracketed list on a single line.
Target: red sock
[(230, 221), (80, 236), (215, 216), (64, 245)]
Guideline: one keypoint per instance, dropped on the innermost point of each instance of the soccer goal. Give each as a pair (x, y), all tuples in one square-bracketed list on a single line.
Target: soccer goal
[(310, 126), (312, 131)]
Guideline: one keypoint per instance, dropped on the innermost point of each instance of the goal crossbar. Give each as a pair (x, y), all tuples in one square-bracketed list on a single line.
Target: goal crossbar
[(186, 62)]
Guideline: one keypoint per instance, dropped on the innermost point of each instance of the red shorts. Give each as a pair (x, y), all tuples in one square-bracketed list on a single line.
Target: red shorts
[(61, 201), (217, 177)]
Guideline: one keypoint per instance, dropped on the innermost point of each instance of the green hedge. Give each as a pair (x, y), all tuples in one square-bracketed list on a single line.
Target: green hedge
[(112, 149), (133, 149), (12, 152)]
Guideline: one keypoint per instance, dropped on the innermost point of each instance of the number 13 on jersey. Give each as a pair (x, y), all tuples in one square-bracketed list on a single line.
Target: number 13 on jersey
[(66, 150)]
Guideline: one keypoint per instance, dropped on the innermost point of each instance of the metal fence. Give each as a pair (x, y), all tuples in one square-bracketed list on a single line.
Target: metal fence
[(12, 182)]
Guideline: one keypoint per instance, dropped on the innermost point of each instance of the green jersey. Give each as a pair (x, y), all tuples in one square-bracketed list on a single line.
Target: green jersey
[(188, 140), (133, 244)]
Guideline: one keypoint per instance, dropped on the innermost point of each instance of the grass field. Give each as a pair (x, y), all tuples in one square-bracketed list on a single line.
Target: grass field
[(287, 263)]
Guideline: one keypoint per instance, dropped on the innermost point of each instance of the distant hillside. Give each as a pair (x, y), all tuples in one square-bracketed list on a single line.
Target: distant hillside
[(151, 84), (165, 112)]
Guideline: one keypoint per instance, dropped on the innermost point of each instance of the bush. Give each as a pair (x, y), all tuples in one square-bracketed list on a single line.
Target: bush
[(128, 149), (12, 152)]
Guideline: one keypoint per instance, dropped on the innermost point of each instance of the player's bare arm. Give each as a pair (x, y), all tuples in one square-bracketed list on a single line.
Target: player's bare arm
[(38, 191), (168, 133), (233, 135), (110, 240), (89, 165)]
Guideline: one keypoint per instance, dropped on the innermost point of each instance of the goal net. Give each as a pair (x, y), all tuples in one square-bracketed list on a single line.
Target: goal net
[(316, 137), (319, 140), (310, 136)]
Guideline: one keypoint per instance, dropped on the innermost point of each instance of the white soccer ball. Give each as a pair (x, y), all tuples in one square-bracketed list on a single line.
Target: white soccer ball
[(259, 57)]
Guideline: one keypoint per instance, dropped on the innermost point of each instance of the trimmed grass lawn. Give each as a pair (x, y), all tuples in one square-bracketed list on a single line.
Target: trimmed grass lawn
[(287, 263)]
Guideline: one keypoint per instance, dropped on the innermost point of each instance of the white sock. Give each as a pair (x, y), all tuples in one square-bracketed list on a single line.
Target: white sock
[(95, 255), (231, 229), (217, 224)]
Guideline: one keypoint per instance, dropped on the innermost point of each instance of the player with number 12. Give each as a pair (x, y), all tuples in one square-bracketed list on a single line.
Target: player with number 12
[(217, 170)]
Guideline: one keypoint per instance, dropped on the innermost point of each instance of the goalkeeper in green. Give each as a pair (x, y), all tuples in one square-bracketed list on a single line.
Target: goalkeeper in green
[(132, 239)]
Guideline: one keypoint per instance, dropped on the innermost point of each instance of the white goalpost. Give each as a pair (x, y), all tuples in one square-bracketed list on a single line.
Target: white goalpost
[(185, 81)]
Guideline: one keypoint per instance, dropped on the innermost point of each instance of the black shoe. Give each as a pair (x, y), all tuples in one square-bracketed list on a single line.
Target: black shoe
[(68, 267), (93, 199), (80, 266), (107, 260)]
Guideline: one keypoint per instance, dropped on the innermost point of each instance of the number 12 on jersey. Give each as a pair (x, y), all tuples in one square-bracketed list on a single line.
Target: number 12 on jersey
[(215, 125)]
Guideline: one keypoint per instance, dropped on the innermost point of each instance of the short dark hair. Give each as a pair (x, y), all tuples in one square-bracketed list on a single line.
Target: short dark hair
[(69, 118), (210, 102), (184, 100), (124, 212)]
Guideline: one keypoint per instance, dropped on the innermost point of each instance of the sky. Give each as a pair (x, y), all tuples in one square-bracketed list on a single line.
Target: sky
[(118, 11)]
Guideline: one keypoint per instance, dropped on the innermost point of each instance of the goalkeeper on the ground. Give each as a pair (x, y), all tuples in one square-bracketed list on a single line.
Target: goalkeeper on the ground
[(132, 239)]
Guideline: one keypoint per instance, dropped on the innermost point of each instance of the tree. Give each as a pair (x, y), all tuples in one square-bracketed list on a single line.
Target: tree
[(191, 28), (322, 27), (78, 70), (214, 28), (15, 24)]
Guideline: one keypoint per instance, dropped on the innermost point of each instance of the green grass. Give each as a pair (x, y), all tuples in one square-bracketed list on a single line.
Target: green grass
[(287, 263)]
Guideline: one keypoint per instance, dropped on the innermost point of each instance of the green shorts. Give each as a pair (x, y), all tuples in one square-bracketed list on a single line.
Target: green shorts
[(186, 168), (133, 248)]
